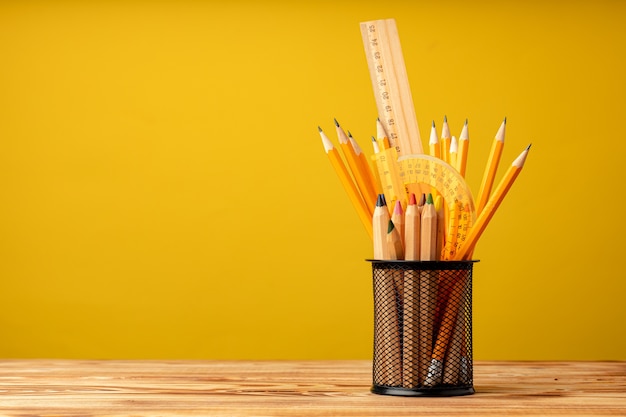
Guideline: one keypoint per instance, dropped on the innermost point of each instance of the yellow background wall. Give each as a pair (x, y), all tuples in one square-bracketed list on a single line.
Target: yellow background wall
[(164, 192)]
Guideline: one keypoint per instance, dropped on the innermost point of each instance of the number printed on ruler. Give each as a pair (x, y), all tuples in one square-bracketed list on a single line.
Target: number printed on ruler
[(383, 94), (425, 169)]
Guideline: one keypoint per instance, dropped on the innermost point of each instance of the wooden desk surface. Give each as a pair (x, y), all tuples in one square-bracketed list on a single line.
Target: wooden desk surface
[(297, 388)]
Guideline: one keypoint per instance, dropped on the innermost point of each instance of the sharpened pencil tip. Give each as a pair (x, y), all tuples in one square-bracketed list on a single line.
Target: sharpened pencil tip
[(529, 145), (433, 123), (320, 129), (349, 134), (336, 122), (398, 208), (504, 120), (390, 227), (373, 139), (429, 200), (380, 202), (412, 200), (465, 122), (445, 119)]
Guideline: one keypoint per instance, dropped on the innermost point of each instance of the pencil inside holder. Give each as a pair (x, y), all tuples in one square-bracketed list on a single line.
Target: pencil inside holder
[(422, 328)]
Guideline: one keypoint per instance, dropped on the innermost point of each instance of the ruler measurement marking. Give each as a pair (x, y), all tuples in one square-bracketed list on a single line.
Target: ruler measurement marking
[(391, 85)]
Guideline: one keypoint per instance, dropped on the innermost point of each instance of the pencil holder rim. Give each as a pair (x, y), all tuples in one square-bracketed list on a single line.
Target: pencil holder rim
[(401, 261), (423, 265)]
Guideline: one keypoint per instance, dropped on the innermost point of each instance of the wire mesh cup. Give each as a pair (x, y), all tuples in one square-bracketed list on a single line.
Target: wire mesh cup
[(422, 328)]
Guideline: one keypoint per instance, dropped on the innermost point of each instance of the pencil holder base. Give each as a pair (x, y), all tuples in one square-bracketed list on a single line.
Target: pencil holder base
[(422, 328), (430, 392)]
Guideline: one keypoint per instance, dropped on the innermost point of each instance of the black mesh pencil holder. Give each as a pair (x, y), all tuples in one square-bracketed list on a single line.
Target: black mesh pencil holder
[(422, 328)]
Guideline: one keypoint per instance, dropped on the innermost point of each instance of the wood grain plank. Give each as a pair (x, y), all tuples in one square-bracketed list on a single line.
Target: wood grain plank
[(296, 388)]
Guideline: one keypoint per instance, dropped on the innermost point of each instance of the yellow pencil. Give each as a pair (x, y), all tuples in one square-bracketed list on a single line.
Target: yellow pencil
[(364, 167), (435, 146), (461, 157), (441, 225), (445, 140), (360, 177), (491, 168), (465, 251), (359, 205), (374, 167), (381, 135)]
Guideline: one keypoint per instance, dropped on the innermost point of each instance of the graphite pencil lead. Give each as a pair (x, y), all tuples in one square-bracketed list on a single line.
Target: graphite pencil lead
[(529, 145), (375, 145), (319, 128), (501, 131), (445, 118), (336, 122), (380, 202), (390, 227)]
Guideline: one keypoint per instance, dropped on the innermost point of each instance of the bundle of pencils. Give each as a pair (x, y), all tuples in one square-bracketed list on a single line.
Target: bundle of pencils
[(419, 226), (417, 208)]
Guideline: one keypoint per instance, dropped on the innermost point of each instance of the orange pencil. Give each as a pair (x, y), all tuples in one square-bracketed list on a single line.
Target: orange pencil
[(359, 205), (361, 178), (465, 251), (364, 167), (491, 168), (461, 157), (374, 167), (445, 140)]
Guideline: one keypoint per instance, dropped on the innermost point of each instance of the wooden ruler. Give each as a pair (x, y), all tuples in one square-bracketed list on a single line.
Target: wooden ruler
[(391, 85)]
